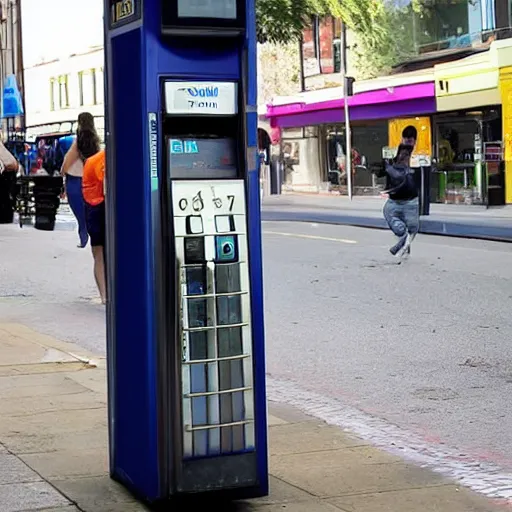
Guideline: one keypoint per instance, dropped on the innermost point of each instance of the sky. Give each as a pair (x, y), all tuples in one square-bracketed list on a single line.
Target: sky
[(58, 28)]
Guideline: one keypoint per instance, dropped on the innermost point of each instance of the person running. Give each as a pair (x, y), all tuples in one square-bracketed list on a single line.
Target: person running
[(409, 136), (94, 196), (401, 210), (87, 144)]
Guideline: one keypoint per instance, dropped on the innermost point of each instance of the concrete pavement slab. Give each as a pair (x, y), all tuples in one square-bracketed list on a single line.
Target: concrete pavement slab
[(311, 436), (95, 381), (71, 508), (281, 493), (308, 506), (17, 351), (53, 346), (60, 422), (13, 470), (120, 507), (22, 405), (287, 413), (30, 496), (338, 473), (48, 442), (274, 421), (71, 464), (29, 369), (52, 384), (448, 498), (96, 494)]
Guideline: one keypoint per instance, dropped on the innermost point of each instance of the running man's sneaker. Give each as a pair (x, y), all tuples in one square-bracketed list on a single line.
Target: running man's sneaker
[(399, 245), (406, 248)]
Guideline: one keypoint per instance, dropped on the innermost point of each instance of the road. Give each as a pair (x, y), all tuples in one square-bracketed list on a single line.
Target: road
[(414, 356), (493, 223)]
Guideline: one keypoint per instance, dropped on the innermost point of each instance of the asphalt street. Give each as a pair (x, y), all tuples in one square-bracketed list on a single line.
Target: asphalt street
[(447, 220), (423, 347)]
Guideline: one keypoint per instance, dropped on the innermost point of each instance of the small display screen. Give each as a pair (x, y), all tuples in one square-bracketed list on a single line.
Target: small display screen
[(215, 9), (202, 158)]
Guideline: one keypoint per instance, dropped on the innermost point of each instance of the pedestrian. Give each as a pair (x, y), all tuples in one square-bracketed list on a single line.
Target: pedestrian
[(86, 144), (401, 210), (93, 187), (9, 169)]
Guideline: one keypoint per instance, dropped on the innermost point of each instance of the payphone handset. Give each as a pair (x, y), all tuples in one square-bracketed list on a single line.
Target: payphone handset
[(211, 248)]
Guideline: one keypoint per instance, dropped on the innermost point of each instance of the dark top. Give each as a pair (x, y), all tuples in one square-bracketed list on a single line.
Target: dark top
[(400, 182)]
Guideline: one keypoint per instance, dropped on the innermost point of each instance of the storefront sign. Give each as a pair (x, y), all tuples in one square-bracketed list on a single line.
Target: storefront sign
[(196, 98)]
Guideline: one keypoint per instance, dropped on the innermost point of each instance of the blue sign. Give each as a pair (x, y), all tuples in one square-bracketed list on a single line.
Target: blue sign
[(12, 103)]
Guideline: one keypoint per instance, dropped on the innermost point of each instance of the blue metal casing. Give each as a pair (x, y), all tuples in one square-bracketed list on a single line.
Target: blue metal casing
[(143, 373)]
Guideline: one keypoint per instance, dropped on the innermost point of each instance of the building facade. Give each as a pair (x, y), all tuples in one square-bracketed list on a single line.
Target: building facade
[(63, 70), (455, 87)]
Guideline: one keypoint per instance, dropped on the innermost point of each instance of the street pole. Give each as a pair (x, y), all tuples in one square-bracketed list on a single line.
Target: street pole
[(348, 145)]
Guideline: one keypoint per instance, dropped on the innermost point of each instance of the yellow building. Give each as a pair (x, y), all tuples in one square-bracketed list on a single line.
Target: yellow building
[(477, 92)]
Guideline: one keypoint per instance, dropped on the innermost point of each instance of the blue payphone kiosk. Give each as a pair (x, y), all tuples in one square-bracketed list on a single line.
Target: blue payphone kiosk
[(186, 365)]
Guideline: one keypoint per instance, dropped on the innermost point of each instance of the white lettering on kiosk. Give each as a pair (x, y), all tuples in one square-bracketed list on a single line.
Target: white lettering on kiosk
[(153, 144), (213, 98)]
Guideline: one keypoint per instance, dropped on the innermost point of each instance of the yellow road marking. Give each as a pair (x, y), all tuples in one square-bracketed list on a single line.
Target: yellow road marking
[(311, 237)]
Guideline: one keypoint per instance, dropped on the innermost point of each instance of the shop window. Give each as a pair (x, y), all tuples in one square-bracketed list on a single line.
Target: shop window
[(368, 140), (87, 87), (53, 93), (63, 82), (441, 25), (100, 87)]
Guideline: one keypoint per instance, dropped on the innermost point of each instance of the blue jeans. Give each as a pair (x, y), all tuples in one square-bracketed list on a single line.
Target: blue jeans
[(76, 203), (403, 216)]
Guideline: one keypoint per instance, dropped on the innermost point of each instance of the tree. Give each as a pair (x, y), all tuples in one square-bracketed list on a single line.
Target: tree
[(383, 31), (282, 21)]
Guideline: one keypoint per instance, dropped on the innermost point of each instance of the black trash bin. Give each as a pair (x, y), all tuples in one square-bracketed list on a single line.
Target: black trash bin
[(276, 176), (7, 196), (46, 192)]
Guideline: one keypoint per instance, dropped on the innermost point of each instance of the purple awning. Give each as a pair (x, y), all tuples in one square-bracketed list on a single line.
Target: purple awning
[(391, 102)]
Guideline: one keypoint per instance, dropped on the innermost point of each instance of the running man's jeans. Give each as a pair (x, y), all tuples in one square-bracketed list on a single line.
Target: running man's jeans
[(403, 216)]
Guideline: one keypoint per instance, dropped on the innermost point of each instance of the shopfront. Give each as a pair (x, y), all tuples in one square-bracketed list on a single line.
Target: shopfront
[(368, 139), (375, 103), (469, 129), (468, 152)]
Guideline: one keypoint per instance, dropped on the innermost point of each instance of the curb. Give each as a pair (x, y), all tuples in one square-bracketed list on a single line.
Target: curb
[(427, 226), (49, 342)]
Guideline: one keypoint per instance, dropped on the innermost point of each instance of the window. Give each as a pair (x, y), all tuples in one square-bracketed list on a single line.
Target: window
[(53, 86), (87, 87), (63, 91), (100, 87)]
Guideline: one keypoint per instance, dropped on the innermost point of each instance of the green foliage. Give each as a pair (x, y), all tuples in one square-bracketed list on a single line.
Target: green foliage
[(282, 21), (383, 32)]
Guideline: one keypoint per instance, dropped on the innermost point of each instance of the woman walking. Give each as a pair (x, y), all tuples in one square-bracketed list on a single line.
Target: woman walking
[(94, 196), (87, 144)]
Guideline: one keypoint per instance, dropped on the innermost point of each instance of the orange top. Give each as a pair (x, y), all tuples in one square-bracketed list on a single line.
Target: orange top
[(92, 180)]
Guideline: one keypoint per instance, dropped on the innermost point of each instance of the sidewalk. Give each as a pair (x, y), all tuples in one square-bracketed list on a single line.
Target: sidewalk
[(53, 448), (447, 220)]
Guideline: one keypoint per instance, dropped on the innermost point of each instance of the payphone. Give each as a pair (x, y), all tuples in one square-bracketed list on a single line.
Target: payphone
[(186, 366)]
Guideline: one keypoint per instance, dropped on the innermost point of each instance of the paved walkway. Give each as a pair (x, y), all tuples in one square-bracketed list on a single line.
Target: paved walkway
[(449, 220), (53, 448)]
